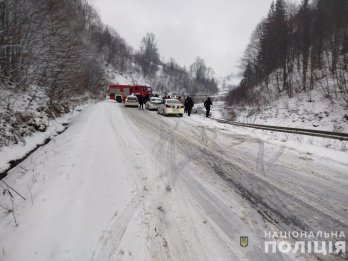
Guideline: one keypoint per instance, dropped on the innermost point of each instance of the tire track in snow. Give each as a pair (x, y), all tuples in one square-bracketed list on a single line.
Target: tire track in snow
[(258, 191), (109, 242), (112, 236), (166, 148), (216, 211), (200, 194), (168, 237), (243, 184), (157, 206), (260, 164), (170, 223)]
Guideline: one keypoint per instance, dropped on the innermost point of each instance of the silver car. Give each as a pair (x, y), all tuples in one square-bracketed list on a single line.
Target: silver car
[(131, 101), (153, 103)]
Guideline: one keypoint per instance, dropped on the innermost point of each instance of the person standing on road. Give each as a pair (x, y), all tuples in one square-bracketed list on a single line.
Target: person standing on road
[(207, 105), (185, 105), (141, 103), (190, 105)]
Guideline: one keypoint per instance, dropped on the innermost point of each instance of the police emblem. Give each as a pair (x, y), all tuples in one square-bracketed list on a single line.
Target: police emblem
[(244, 241)]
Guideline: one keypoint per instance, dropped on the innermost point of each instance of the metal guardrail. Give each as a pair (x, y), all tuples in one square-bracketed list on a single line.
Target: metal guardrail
[(308, 132)]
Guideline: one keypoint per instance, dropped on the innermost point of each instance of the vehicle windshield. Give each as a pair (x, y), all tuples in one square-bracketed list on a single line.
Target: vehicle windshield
[(132, 98), (173, 102)]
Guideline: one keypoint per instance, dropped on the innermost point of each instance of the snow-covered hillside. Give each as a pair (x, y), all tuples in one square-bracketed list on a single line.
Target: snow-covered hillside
[(126, 78), (28, 119), (22, 113), (298, 112)]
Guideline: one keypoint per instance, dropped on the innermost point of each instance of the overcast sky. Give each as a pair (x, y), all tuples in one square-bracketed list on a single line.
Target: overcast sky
[(215, 30)]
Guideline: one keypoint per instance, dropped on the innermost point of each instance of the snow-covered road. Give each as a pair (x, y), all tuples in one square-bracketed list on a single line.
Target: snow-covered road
[(124, 184)]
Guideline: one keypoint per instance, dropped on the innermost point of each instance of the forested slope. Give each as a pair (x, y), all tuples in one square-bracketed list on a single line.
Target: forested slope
[(297, 49), (55, 54), (296, 64)]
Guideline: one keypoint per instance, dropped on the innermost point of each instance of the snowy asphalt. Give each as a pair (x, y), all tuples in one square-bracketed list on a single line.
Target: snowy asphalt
[(124, 184)]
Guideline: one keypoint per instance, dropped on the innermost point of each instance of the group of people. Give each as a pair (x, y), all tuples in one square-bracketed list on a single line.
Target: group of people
[(188, 104)]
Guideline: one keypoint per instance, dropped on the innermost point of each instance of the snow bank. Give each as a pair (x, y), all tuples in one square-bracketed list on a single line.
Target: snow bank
[(18, 151)]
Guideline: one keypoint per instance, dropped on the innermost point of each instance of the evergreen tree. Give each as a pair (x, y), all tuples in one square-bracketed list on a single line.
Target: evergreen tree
[(304, 32)]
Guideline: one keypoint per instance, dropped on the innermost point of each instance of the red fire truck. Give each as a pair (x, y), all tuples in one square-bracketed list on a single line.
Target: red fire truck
[(120, 92)]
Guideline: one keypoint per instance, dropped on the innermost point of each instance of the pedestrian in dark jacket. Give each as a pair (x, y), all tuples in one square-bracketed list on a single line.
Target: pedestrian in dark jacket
[(141, 103), (207, 105), (189, 105), (185, 105)]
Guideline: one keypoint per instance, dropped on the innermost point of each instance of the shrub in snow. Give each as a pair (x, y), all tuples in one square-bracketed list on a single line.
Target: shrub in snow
[(42, 127)]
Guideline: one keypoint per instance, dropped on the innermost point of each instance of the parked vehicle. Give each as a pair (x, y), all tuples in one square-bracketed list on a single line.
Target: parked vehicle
[(171, 107), (153, 103), (120, 92), (132, 101)]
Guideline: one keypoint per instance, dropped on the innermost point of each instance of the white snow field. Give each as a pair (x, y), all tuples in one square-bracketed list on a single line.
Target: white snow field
[(125, 184)]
